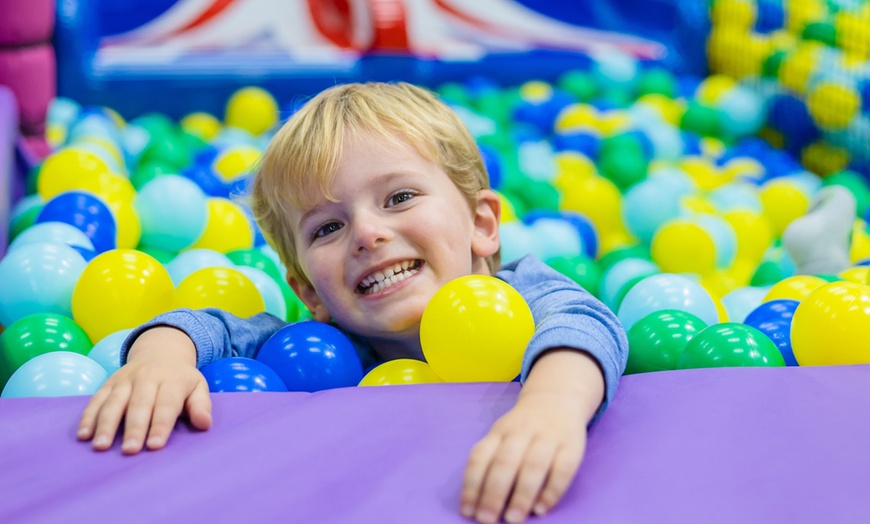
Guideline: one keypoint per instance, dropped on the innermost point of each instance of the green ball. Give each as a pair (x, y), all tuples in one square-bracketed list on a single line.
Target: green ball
[(611, 258), (23, 221), (155, 123), (148, 171), (829, 278), (580, 268), (297, 311), (257, 259), (772, 64), (626, 287), (702, 119), (580, 84), (31, 180), (767, 274), (656, 341), (454, 93), (623, 167), (167, 148), (657, 81), (491, 103), (821, 31), (854, 183), (730, 344), (38, 334), (161, 255)]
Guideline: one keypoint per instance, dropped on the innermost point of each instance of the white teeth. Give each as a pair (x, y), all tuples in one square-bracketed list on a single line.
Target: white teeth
[(381, 280), (389, 272), (379, 276), (405, 264)]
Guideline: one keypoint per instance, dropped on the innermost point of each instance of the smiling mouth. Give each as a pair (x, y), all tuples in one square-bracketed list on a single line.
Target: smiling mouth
[(381, 280)]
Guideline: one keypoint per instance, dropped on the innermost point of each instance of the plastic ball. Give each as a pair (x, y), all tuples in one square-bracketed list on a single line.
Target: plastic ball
[(239, 374), (753, 232), (269, 289), (35, 335), (783, 202), (830, 326), (555, 237), (797, 288), (107, 352), (742, 301), (221, 288), (236, 161), (312, 356), (684, 246), (86, 212), (38, 278), (476, 329), (203, 125), (53, 232), (400, 371), (227, 227), (667, 291), (55, 374), (614, 68), (580, 268), (120, 289), (774, 319), (597, 198), (657, 340), (253, 109), (192, 260), (743, 112), (730, 344), (833, 106), (173, 212), (63, 169), (658, 81), (620, 273), (701, 119)]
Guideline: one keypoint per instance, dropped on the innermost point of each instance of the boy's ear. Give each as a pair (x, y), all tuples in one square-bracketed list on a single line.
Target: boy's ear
[(308, 295), (487, 215)]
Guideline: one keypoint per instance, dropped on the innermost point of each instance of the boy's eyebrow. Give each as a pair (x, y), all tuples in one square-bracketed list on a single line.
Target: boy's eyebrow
[(382, 179)]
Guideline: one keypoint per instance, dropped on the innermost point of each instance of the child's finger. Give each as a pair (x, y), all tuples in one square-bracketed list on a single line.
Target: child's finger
[(565, 464), (88, 422), (198, 406), (109, 417), (500, 478), (475, 471), (530, 480), (167, 407), (138, 417)]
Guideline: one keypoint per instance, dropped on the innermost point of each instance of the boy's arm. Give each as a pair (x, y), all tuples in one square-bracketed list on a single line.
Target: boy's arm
[(160, 380), (571, 368)]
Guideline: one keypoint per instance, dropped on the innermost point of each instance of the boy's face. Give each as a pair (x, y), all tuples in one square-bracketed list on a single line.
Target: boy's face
[(397, 214)]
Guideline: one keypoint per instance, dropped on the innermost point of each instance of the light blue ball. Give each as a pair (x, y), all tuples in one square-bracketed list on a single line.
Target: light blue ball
[(268, 288), (743, 301), (620, 273), (173, 211), (24, 205), (56, 374), (555, 238), (537, 160), (743, 112), (649, 204), (736, 195), (38, 278), (517, 240), (724, 238), (614, 68), (667, 291), (53, 232), (134, 140), (107, 352), (62, 111), (667, 142), (193, 260)]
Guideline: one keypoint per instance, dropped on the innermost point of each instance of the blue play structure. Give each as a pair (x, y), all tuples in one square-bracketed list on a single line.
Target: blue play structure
[(178, 56)]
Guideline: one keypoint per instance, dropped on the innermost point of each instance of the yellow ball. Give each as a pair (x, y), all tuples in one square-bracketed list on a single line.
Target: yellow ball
[(745, 167), (825, 159), (833, 106), (237, 161), (576, 117), (860, 242), (670, 110), (704, 172), (253, 109), (696, 204), (227, 228), (613, 122), (712, 88), (857, 274), (754, 234), (222, 288), (202, 125), (737, 13), (120, 289), (598, 198), (536, 91), (127, 224), (797, 66), (830, 326), (783, 201), (852, 34), (574, 164), (68, 169), (476, 329), (797, 288), (682, 246), (800, 12), (400, 371), (508, 212)]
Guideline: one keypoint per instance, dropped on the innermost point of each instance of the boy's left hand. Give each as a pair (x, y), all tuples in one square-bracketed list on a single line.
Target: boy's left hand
[(530, 455)]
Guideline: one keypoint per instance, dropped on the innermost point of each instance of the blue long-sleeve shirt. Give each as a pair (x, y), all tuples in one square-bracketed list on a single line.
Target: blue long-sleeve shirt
[(565, 316)]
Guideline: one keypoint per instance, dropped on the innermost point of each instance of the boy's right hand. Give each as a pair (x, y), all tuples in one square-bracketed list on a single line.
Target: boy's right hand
[(150, 392)]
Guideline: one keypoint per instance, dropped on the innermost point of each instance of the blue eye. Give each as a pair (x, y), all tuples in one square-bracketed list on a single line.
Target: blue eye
[(326, 229), (398, 198)]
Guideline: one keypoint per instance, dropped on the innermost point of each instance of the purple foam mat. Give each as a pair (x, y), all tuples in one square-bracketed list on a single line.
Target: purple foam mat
[(722, 445)]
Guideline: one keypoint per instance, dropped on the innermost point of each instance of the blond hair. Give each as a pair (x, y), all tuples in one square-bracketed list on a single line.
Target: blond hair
[(299, 164)]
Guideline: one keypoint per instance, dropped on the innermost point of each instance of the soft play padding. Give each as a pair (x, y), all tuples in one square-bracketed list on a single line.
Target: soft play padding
[(26, 22), (748, 445), (30, 72)]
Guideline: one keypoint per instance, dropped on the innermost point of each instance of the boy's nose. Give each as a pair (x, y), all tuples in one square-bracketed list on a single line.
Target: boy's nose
[(370, 234)]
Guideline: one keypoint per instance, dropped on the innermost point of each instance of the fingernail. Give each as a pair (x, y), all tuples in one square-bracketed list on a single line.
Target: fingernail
[(130, 444), (467, 510), (540, 509), (154, 442), (84, 431), (486, 517), (101, 441), (513, 516)]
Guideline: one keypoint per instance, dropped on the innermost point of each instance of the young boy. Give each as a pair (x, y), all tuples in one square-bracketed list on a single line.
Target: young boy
[(375, 196)]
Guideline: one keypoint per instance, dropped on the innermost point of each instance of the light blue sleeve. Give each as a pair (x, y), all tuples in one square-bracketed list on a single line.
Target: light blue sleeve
[(215, 333), (566, 315)]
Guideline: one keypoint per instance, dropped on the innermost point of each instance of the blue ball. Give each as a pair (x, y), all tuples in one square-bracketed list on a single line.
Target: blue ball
[(493, 164), (587, 231), (204, 176), (774, 320), (581, 141), (55, 374), (312, 356), (239, 374), (782, 309), (771, 16), (86, 212), (55, 232)]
